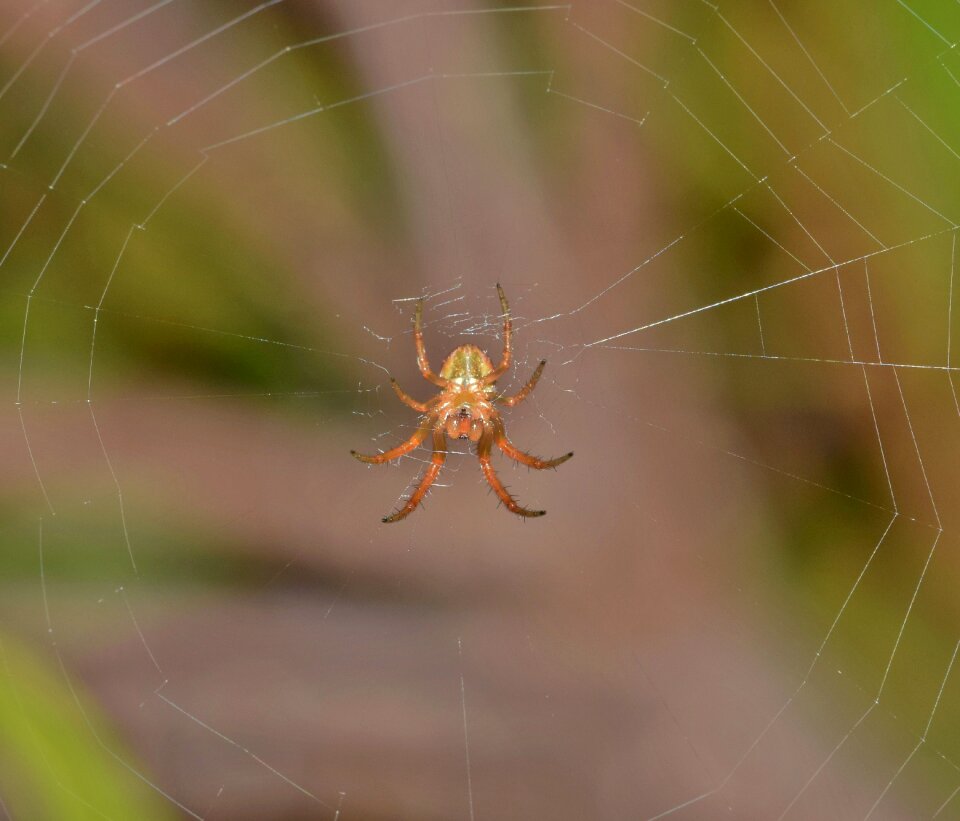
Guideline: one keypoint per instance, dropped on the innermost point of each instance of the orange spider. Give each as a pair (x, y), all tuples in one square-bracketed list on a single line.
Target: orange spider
[(464, 409)]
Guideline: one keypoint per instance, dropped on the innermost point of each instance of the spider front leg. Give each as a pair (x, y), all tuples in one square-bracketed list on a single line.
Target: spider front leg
[(436, 462), (483, 454), (422, 361), (500, 437), (399, 450), (526, 390)]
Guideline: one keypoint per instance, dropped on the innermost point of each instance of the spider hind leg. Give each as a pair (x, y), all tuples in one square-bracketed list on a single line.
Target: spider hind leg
[(504, 365), (422, 362), (512, 401)]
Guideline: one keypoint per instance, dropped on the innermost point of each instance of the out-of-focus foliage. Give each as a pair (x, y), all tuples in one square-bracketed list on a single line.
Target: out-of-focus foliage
[(58, 758)]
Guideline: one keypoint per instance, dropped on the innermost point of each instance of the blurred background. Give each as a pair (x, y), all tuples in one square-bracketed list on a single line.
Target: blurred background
[(731, 231)]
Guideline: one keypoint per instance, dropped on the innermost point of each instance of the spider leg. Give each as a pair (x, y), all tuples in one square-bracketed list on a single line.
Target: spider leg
[(406, 399), (483, 454), (395, 453), (422, 362), (501, 369), (525, 391), (500, 437), (436, 462)]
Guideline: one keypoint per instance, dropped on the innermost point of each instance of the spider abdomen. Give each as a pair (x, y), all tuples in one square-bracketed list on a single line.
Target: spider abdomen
[(466, 364)]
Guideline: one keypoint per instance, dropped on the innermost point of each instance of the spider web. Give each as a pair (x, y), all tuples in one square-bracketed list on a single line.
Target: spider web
[(729, 228)]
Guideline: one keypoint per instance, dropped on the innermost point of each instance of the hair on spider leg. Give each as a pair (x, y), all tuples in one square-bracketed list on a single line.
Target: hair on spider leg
[(524, 513), (562, 459)]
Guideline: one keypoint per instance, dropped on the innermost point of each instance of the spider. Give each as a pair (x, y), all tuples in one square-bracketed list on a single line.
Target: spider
[(464, 409)]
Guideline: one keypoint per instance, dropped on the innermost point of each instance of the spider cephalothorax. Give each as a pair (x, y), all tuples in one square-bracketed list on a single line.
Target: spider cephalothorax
[(464, 409)]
